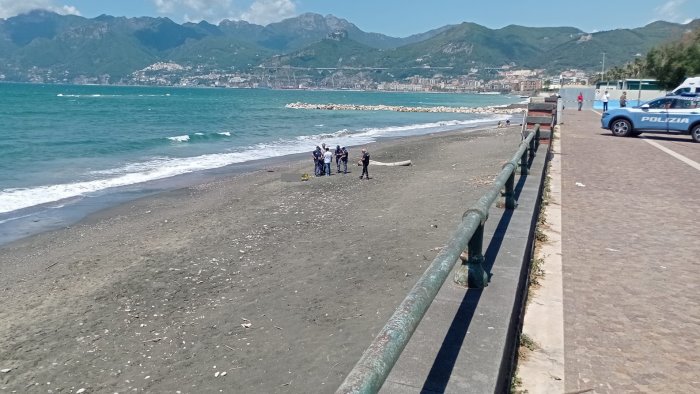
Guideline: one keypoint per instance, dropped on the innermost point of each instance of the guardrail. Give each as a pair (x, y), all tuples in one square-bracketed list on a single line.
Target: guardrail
[(376, 362)]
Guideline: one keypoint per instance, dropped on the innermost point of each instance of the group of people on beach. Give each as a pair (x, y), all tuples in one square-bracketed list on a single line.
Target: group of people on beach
[(504, 124), (323, 158)]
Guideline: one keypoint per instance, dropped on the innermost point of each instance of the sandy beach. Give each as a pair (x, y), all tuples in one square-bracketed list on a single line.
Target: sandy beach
[(257, 282)]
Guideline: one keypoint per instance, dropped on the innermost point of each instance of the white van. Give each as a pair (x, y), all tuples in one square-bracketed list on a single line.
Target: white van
[(690, 85)]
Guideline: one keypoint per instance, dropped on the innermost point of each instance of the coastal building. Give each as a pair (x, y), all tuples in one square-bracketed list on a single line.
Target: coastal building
[(529, 85)]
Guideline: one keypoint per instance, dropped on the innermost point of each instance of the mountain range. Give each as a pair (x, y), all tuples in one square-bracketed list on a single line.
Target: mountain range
[(69, 46)]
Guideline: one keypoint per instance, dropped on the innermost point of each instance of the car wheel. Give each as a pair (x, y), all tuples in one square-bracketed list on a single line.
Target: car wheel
[(621, 128), (695, 133)]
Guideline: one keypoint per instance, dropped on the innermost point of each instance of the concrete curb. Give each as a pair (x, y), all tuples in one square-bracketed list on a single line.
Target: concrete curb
[(542, 370)]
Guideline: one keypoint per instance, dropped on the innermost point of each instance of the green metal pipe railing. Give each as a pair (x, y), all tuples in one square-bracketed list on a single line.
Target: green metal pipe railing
[(376, 362)]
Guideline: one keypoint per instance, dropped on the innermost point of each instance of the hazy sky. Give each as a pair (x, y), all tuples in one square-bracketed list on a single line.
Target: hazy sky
[(397, 18)]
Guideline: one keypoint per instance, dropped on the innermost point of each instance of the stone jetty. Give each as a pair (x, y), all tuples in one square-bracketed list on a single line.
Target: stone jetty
[(401, 108)]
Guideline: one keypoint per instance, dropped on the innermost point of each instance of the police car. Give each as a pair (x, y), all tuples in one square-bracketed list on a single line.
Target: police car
[(677, 114)]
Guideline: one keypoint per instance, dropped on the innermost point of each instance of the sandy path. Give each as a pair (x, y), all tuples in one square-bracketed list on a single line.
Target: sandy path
[(155, 295)]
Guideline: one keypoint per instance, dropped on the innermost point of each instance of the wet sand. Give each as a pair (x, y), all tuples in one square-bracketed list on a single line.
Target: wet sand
[(278, 283)]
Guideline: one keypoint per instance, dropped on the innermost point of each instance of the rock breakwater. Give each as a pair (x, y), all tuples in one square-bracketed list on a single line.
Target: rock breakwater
[(401, 108)]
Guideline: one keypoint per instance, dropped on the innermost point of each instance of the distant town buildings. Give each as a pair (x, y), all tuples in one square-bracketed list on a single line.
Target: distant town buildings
[(503, 79)]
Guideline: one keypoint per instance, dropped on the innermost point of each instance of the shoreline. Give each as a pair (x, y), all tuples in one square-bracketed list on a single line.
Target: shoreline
[(279, 283), (44, 217)]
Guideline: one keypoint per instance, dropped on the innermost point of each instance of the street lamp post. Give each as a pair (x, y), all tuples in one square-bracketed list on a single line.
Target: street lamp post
[(639, 94), (639, 79), (602, 72)]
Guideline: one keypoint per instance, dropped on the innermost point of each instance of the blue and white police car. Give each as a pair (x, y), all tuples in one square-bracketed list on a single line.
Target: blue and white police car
[(677, 114)]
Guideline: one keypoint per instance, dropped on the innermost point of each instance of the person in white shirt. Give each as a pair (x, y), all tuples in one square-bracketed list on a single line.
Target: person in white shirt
[(606, 97), (327, 159)]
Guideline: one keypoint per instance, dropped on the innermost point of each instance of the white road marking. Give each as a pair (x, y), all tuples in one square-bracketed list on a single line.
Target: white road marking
[(678, 156)]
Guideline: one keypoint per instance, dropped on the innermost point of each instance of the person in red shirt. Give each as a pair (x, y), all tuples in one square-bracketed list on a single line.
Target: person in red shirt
[(579, 99)]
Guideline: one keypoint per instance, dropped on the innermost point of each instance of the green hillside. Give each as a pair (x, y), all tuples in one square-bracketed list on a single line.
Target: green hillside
[(328, 53), (217, 52), (620, 46), (44, 45)]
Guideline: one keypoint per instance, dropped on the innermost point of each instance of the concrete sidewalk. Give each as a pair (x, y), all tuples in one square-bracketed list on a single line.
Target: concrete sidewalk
[(630, 261)]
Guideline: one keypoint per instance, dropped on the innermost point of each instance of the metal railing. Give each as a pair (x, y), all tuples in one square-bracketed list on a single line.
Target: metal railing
[(376, 362)]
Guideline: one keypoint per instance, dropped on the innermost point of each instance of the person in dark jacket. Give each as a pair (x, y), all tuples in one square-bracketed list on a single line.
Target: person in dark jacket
[(318, 160), (344, 159), (365, 163), (338, 156)]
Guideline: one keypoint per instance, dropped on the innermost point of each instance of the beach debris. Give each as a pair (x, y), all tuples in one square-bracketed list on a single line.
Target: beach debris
[(81, 390), (157, 339), (223, 374), (216, 374), (305, 177), (394, 164), (5, 370), (579, 184)]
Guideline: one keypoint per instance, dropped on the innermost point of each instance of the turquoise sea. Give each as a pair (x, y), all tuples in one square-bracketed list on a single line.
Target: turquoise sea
[(63, 145)]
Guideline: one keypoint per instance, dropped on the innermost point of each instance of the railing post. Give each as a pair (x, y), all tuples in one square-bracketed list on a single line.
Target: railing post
[(523, 163), (510, 192), (537, 137), (471, 273), (532, 148)]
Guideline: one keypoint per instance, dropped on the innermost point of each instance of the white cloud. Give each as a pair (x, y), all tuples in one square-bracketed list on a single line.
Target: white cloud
[(164, 6), (260, 11), (68, 10), (263, 12), (671, 11), (10, 8), (196, 10)]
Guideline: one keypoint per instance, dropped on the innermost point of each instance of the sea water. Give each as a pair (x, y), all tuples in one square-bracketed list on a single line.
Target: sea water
[(61, 145)]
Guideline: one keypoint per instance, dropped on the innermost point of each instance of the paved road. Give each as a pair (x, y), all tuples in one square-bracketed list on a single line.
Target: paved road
[(631, 260)]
